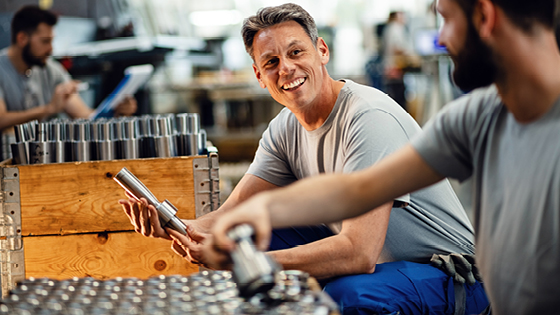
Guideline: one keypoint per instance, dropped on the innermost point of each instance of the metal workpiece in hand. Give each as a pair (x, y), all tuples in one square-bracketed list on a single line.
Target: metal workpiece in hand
[(166, 210), (253, 271)]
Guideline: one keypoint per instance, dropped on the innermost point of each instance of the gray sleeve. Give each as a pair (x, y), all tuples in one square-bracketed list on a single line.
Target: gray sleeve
[(374, 134), (271, 161), (2, 95), (58, 73), (446, 143)]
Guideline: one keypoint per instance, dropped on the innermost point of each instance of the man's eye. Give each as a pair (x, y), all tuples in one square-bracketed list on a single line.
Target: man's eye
[(271, 61), (296, 52)]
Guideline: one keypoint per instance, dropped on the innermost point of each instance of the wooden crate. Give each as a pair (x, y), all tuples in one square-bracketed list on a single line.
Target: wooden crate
[(63, 220)]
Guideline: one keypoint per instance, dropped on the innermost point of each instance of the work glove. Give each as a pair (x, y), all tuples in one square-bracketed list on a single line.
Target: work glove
[(461, 267)]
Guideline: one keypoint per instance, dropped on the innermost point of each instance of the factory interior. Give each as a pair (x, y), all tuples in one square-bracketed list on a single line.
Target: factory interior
[(203, 120)]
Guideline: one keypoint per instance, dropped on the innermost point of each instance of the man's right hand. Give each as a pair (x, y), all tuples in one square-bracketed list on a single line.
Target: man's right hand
[(144, 217), (62, 93)]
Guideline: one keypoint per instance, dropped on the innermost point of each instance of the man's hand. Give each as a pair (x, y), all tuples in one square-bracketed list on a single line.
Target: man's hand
[(127, 107), (254, 212), (190, 246), (144, 217), (462, 267), (62, 93)]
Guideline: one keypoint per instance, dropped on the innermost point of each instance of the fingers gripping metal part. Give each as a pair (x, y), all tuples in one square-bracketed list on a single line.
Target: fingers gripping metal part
[(166, 210), (253, 271)]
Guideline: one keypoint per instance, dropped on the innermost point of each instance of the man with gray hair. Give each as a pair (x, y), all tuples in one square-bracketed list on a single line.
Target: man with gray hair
[(337, 126)]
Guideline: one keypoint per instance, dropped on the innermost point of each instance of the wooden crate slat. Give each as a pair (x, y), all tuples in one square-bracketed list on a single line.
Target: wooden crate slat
[(71, 198), (102, 256)]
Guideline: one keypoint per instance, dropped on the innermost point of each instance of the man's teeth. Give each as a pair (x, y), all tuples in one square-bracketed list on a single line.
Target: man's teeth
[(293, 84)]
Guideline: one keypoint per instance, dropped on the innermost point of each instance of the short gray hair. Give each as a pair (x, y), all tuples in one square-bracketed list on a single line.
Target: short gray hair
[(269, 16)]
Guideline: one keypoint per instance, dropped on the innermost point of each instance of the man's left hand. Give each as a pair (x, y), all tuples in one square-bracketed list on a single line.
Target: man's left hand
[(127, 107), (189, 246)]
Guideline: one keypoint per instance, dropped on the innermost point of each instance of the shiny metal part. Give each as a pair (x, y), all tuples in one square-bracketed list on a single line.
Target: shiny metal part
[(253, 271), (165, 209)]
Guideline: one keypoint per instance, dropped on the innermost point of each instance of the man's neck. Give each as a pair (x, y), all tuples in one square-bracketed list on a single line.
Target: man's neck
[(316, 114), (14, 54), (530, 84)]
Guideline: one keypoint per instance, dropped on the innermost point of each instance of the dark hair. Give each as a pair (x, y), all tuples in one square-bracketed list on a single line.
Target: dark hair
[(393, 16), (269, 16), (28, 18), (525, 14)]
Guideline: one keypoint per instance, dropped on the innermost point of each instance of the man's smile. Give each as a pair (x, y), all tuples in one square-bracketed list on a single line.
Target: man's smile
[(294, 84)]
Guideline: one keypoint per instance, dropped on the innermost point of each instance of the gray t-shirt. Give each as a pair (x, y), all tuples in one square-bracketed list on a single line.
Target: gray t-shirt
[(364, 126), (21, 92), (515, 169)]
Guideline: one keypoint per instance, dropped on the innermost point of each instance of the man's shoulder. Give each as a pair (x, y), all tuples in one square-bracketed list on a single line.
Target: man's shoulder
[(477, 104), (358, 99)]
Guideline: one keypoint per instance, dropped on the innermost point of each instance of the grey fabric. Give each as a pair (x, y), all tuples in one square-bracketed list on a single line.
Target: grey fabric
[(20, 92), (516, 173), (364, 126)]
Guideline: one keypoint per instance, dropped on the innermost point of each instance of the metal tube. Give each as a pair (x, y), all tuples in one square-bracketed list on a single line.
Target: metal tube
[(19, 153), (165, 209)]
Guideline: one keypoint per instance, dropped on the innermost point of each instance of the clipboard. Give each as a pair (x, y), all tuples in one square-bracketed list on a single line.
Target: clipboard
[(134, 78)]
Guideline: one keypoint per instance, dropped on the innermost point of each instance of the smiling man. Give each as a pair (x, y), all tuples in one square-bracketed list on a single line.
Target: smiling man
[(503, 135), (336, 126)]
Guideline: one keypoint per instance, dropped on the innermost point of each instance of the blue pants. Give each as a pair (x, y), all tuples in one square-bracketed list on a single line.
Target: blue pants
[(400, 287)]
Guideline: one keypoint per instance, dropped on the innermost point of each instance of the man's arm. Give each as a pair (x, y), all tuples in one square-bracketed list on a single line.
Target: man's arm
[(326, 198), (75, 107), (146, 222), (354, 250), (248, 186), (10, 119)]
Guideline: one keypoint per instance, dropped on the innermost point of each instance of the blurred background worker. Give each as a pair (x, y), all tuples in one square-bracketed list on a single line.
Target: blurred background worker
[(32, 85), (397, 56)]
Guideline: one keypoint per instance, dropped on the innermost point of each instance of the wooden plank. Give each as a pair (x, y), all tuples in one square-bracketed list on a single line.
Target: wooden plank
[(81, 197), (102, 256)]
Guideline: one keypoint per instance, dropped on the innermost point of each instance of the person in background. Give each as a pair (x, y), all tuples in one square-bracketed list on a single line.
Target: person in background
[(503, 135), (336, 126), (397, 54), (32, 85)]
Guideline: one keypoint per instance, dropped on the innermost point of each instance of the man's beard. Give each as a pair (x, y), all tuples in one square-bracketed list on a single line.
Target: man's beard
[(31, 60), (475, 65)]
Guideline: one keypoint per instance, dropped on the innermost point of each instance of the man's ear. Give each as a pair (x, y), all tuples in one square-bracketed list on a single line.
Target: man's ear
[(485, 17), (22, 39), (258, 75), (323, 50)]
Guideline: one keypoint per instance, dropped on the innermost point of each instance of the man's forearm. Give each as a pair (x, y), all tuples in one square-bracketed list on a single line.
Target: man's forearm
[(10, 119), (329, 257), (335, 197)]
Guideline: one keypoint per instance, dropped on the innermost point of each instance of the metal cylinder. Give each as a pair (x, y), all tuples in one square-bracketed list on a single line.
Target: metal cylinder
[(19, 153), (253, 271), (134, 186), (165, 146), (165, 209), (194, 122), (167, 216), (130, 148), (202, 137), (41, 152), (81, 144), (188, 144), (147, 141)]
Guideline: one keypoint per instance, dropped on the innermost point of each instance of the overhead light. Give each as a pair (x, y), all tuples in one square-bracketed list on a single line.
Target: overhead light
[(215, 18)]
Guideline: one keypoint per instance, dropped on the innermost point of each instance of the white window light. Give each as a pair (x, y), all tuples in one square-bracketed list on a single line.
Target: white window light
[(215, 18)]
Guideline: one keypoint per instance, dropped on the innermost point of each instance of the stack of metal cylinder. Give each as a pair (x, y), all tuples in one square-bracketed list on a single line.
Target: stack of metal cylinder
[(207, 292), (104, 139)]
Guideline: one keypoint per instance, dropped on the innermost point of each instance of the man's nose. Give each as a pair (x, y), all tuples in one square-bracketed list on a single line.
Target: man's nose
[(287, 66)]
